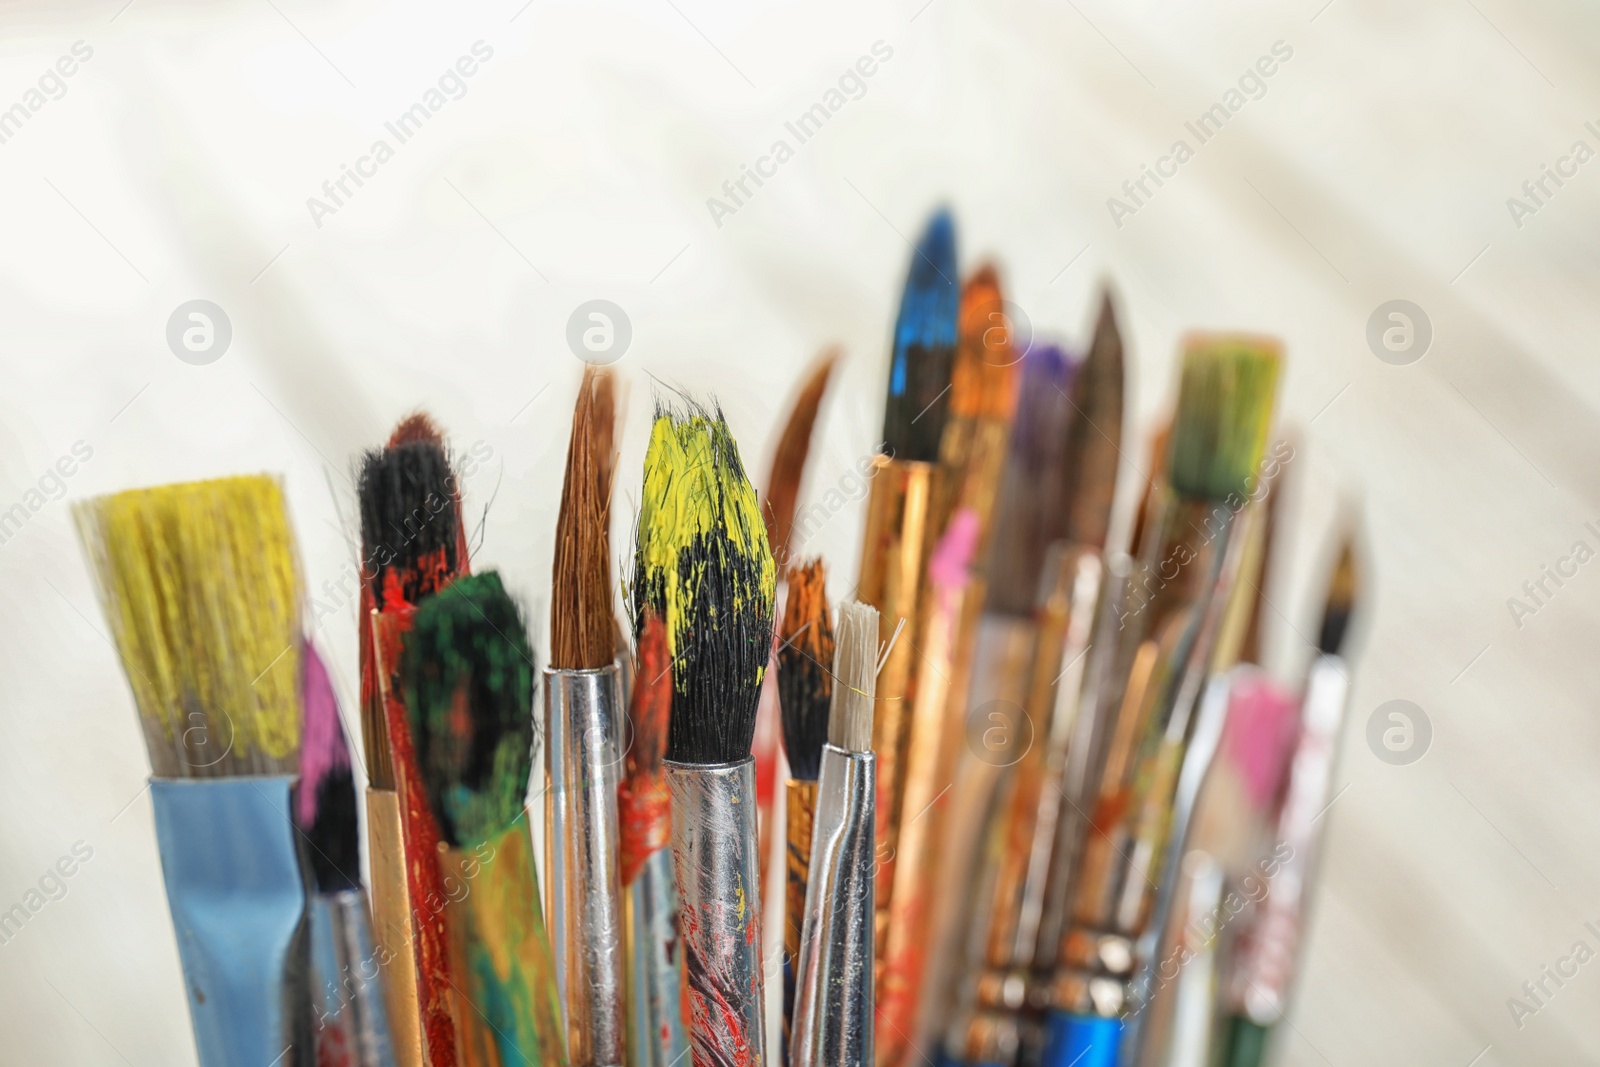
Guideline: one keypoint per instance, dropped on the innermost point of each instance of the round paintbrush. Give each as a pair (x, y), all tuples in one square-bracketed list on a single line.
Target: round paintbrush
[(805, 691), (703, 564), (466, 671)]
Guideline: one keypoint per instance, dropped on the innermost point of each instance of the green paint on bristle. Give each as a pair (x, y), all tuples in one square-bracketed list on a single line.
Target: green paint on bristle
[(1224, 412), (467, 673), (703, 564)]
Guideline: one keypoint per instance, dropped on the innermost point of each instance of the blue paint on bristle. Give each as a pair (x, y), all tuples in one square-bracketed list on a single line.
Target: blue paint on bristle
[(931, 303)]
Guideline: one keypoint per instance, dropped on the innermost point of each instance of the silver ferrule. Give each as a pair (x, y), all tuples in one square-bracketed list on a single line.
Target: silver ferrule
[(582, 762), (346, 991), (833, 975), (718, 874), (655, 987)]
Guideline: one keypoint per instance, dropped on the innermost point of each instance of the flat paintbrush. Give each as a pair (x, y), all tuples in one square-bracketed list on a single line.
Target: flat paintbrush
[(898, 535), (412, 544), (200, 585), (805, 692), (702, 563), (352, 1021), (644, 803), (833, 1016), (582, 754), (466, 671)]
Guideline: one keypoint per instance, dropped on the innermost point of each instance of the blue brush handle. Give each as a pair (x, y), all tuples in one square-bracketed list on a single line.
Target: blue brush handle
[(1082, 1041), (238, 902)]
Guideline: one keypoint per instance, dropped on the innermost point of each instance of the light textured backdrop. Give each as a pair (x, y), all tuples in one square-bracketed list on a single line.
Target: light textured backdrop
[(177, 164)]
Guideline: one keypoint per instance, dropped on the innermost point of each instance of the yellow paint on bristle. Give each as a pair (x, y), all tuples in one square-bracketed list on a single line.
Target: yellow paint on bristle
[(200, 583), (690, 492)]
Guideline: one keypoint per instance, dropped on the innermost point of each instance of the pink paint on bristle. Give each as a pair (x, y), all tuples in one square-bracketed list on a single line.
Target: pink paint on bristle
[(322, 747), (947, 568), (1263, 719)]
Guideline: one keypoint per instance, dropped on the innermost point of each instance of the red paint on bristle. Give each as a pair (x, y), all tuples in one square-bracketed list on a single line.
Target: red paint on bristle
[(644, 803), (424, 878)]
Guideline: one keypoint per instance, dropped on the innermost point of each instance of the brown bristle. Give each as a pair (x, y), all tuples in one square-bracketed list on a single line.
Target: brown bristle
[(983, 382), (650, 706), (1271, 517), (1094, 450), (805, 662), (605, 422), (1341, 600), (789, 462), (417, 426), (582, 622), (1155, 472)]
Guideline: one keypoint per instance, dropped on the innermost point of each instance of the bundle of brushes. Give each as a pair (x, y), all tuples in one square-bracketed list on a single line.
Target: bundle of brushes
[(703, 565), (466, 671), (412, 544), (201, 587), (352, 1022), (583, 713), (805, 693)]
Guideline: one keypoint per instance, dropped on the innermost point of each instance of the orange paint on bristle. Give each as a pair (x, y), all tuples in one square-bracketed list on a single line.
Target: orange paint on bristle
[(644, 806), (984, 379), (808, 603)]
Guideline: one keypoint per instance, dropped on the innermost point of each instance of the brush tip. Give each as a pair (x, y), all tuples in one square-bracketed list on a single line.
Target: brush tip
[(582, 626), (325, 799), (1341, 600), (855, 677), (805, 661), (410, 519), (1219, 432), (466, 669), (924, 345)]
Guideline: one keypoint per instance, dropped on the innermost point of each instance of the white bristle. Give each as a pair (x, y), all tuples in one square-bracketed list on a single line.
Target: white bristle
[(855, 677)]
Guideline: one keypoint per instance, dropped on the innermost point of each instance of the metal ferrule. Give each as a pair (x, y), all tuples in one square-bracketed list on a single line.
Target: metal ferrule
[(238, 901), (719, 894), (351, 1020), (833, 976), (655, 994), (582, 762)]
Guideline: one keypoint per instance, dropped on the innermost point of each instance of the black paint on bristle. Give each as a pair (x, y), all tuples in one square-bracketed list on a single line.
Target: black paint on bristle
[(925, 335), (805, 670), (703, 564), (410, 526), (1341, 602), (325, 797), (467, 673)]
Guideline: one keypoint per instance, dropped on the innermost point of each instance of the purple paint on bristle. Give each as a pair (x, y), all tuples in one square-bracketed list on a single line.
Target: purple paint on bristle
[(323, 750), (1047, 374)]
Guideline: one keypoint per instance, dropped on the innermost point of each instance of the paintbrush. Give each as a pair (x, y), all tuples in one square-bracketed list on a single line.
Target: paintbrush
[(1001, 657), (971, 457), (805, 691), (702, 563), (833, 1019), (898, 535), (778, 511), (412, 544), (1266, 960), (583, 712), (466, 672), (200, 585), (655, 1014), (1218, 436), (352, 1023)]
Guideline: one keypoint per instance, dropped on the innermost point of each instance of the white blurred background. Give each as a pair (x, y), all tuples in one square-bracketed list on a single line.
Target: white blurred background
[(175, 163)]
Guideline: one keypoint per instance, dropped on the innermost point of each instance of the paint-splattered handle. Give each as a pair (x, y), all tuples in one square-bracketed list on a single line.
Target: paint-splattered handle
[(719, 892)]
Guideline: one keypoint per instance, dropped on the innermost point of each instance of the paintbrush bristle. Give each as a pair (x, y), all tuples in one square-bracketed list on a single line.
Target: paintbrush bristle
[(1341, 601), (466, 670), (1032, 509), (702, 562), (417, 426), (1094, 447), (200, 584), (650, 704), (789, 461), (582, 623), (805, 669), (1224, 411), (325, 798), (409, 520), (924, 346), (855, 677), (983, 379)]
